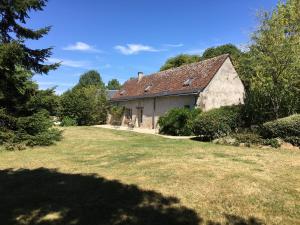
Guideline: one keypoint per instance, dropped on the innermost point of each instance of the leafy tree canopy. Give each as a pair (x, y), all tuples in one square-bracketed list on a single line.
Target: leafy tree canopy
[(89, 78), (113, 84), (220, 50), (86, 105), (179, 61), (272, 67)]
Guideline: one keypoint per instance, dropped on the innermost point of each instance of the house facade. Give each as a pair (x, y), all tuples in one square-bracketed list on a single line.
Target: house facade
[(206, 85)]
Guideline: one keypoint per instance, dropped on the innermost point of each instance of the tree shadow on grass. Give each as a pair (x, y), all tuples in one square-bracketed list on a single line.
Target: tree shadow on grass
[(237, 220), (48, 197)]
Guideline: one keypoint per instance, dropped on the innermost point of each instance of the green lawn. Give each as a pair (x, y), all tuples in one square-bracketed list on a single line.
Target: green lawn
[(99, 176)]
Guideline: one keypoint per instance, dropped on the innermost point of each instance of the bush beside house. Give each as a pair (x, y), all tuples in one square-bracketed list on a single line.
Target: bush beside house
[(217, 123), (225, 125), (116, 114), (178, 122), (287, 128)]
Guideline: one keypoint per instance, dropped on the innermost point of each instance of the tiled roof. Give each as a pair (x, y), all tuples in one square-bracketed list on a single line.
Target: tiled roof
[(110, 93), (185, 79)]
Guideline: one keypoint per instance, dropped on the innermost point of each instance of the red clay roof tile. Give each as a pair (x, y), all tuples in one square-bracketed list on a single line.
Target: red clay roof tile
[(172, 80)]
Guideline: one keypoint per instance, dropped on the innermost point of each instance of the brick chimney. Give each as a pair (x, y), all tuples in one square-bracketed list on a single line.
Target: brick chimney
[(140, 75)]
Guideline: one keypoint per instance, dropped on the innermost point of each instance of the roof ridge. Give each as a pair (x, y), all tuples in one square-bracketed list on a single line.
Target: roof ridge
[(201, 61), (173, 79), (182, 66)]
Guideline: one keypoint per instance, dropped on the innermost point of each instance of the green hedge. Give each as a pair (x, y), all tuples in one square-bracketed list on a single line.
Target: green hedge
[(217, 123), (287, 128), (284, 127), (178, 122), (294, 140)]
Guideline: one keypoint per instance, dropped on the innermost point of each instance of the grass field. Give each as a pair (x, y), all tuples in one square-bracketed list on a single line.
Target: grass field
[(98, 176)]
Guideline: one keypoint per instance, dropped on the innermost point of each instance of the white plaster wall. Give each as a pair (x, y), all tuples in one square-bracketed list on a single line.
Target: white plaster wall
[(162, 105), (225, 89)]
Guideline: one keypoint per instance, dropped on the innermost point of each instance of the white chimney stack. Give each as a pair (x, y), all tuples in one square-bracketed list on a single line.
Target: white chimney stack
[(140, 75)]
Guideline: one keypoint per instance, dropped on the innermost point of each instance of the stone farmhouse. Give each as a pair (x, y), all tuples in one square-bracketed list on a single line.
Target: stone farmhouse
[(206, 85)]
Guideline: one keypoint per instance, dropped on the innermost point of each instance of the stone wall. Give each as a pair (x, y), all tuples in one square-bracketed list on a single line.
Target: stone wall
[(226, 88)]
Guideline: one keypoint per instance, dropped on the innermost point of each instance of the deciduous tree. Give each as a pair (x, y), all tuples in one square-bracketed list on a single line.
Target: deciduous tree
[(113, 84), (179, 61), (274, 76)]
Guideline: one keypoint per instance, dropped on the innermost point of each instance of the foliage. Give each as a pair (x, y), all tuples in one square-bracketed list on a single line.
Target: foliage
[(294, 140), (68, 122), (248, 138), (113, 84), (218, 123), (116, 113), (30, 130), (179, 61), (87, 105), (220, 50), (89, 78), (178, 122), (282, 128), (44, 100), (18, 93), (271, 69), (274, 142)]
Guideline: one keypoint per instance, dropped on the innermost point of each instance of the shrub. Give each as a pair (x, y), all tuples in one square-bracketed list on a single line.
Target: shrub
[(218, 123), (116, 113), (178, 122), (68, 122), (294, 140), (248, 138), (275, 143), (282, 128)]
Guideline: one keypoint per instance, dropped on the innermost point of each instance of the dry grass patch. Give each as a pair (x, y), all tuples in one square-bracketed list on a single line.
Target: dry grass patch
[(145, 179)]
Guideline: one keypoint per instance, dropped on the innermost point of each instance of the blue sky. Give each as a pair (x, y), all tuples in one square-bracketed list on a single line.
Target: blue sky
[(118, 38)]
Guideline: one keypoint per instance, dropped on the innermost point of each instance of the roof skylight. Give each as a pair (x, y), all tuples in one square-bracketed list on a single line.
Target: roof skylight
[(188, 82), (148, 88)]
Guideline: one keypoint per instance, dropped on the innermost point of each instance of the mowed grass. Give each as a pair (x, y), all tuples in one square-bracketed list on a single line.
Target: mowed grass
[(100, 176)]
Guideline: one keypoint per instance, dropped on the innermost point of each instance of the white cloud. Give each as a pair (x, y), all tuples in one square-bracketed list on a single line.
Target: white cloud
[(70, 63), (81, 46), (174, 45), (131, 49)]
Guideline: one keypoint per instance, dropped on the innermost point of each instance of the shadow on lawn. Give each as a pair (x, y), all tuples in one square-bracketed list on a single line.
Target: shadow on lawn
[(43, 196), (48, 197)]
